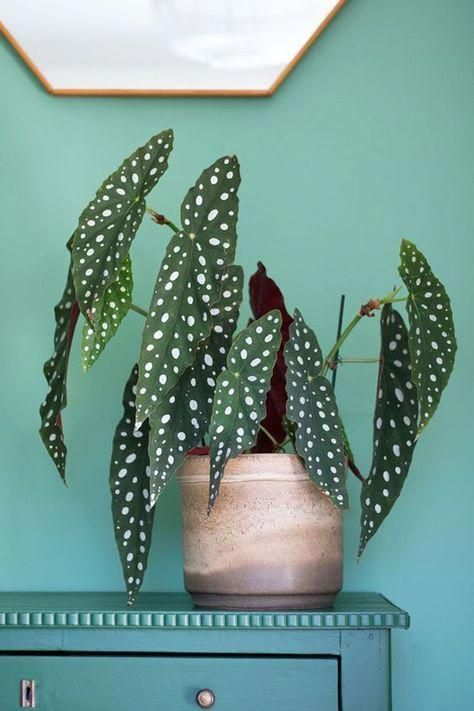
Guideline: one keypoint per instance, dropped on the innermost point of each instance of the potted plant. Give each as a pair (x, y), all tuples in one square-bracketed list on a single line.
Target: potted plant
[(272, 536)]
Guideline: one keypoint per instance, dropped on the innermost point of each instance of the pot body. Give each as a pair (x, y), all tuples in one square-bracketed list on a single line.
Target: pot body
[(272, 540)]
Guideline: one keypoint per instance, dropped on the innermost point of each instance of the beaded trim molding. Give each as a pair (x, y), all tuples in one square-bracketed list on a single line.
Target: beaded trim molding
[(207, 620)]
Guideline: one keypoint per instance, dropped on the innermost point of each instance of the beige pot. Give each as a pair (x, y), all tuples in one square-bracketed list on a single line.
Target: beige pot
[(271, 541)]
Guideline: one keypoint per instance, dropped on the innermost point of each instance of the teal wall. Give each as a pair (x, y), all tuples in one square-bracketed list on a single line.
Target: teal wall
[(369, 140)]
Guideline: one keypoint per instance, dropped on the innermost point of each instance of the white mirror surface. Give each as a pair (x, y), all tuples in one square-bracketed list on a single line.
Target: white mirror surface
[(163, 46)]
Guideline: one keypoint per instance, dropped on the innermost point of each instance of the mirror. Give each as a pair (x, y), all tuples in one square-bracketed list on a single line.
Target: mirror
[(182, 47)]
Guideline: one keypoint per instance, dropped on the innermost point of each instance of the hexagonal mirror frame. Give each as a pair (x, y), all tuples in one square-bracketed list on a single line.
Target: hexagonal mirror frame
[(164, 47)]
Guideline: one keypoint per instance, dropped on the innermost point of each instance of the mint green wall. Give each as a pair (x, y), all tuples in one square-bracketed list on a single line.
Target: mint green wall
[(369, 140)]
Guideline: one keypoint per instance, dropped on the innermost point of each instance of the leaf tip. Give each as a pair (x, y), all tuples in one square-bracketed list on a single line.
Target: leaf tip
[(406, 244)]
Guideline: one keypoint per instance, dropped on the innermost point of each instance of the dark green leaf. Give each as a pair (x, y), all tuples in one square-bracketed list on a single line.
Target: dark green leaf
[(188, 284), (395, 418), (181, 420), (130, 489), (108, 224), (312, 406), (210, 211), (432, 338), (66, 313), (107, 314), (239, 401)]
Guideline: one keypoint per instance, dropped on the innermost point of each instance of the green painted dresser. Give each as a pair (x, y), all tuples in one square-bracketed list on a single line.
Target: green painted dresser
[(88, 652)]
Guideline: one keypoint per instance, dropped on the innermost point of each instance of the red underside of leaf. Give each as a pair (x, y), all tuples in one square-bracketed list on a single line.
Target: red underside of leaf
[(354, 469), (264, 297), (200, 451), (73, 316)]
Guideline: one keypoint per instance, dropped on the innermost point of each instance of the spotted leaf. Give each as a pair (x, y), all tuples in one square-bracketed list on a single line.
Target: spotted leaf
[(210, 211), (431, 335), (130, 489), (181, 420), (109, 223), (188, 284), (239, 400), (265, 295), (395, 418), (312, 407), (66, 313), (108, 314)]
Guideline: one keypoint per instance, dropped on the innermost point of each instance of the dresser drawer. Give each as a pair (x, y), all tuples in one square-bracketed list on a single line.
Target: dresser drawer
[(170, 683)]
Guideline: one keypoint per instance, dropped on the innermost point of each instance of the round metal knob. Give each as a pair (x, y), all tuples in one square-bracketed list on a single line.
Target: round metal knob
[(205, 698)]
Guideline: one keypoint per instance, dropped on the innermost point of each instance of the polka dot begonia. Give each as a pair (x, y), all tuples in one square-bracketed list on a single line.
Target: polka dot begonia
[(110, 221), (55, 370), (188, 284), (241, 389), (182, 418), (130, 488), (432, 338), (108, 314), (312, 407), (395, 426), (210, 211)]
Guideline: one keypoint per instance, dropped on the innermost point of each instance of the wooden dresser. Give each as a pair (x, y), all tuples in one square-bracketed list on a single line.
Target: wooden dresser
[(89, 652)]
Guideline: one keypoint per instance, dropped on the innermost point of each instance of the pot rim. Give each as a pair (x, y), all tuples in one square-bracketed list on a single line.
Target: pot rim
[(245, 467)]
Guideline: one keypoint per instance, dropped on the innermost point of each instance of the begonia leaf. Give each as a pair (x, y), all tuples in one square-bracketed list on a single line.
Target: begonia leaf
[(66, 313), (265, 295), (108, 313), (181, 420), (395, 426), (130, 489), (188, 284), (431, 334), (110, 221), (312, 406), (239, 401)]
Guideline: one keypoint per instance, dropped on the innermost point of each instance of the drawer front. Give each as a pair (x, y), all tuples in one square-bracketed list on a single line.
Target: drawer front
[(121, 683)]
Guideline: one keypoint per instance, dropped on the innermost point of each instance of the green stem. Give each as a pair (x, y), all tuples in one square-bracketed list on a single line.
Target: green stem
[(270, 437), (388, 299), (285, 442), (339, 342), (172, 225), (358, 360), (138, 310)]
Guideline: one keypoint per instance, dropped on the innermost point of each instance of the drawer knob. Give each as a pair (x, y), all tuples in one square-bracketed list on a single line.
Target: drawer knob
[(205, 698)]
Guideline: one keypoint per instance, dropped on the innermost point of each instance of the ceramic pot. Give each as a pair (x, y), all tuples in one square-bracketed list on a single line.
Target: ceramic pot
[(272, 540)]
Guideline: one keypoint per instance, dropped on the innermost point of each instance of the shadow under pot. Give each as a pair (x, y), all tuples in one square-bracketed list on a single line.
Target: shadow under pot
[(272, 541)]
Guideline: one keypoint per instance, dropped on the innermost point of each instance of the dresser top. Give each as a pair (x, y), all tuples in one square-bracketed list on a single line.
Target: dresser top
[(175, 611)]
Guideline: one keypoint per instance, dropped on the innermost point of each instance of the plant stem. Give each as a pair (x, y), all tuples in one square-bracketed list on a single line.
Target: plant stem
[(358, 360), (270, 437), (365, 310), (338, 333), (390, 298), (330, 356), (285, 441), (138, 310)]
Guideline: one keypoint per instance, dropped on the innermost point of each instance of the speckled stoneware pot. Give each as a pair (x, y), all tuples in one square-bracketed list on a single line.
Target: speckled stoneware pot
[(272, 540)]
